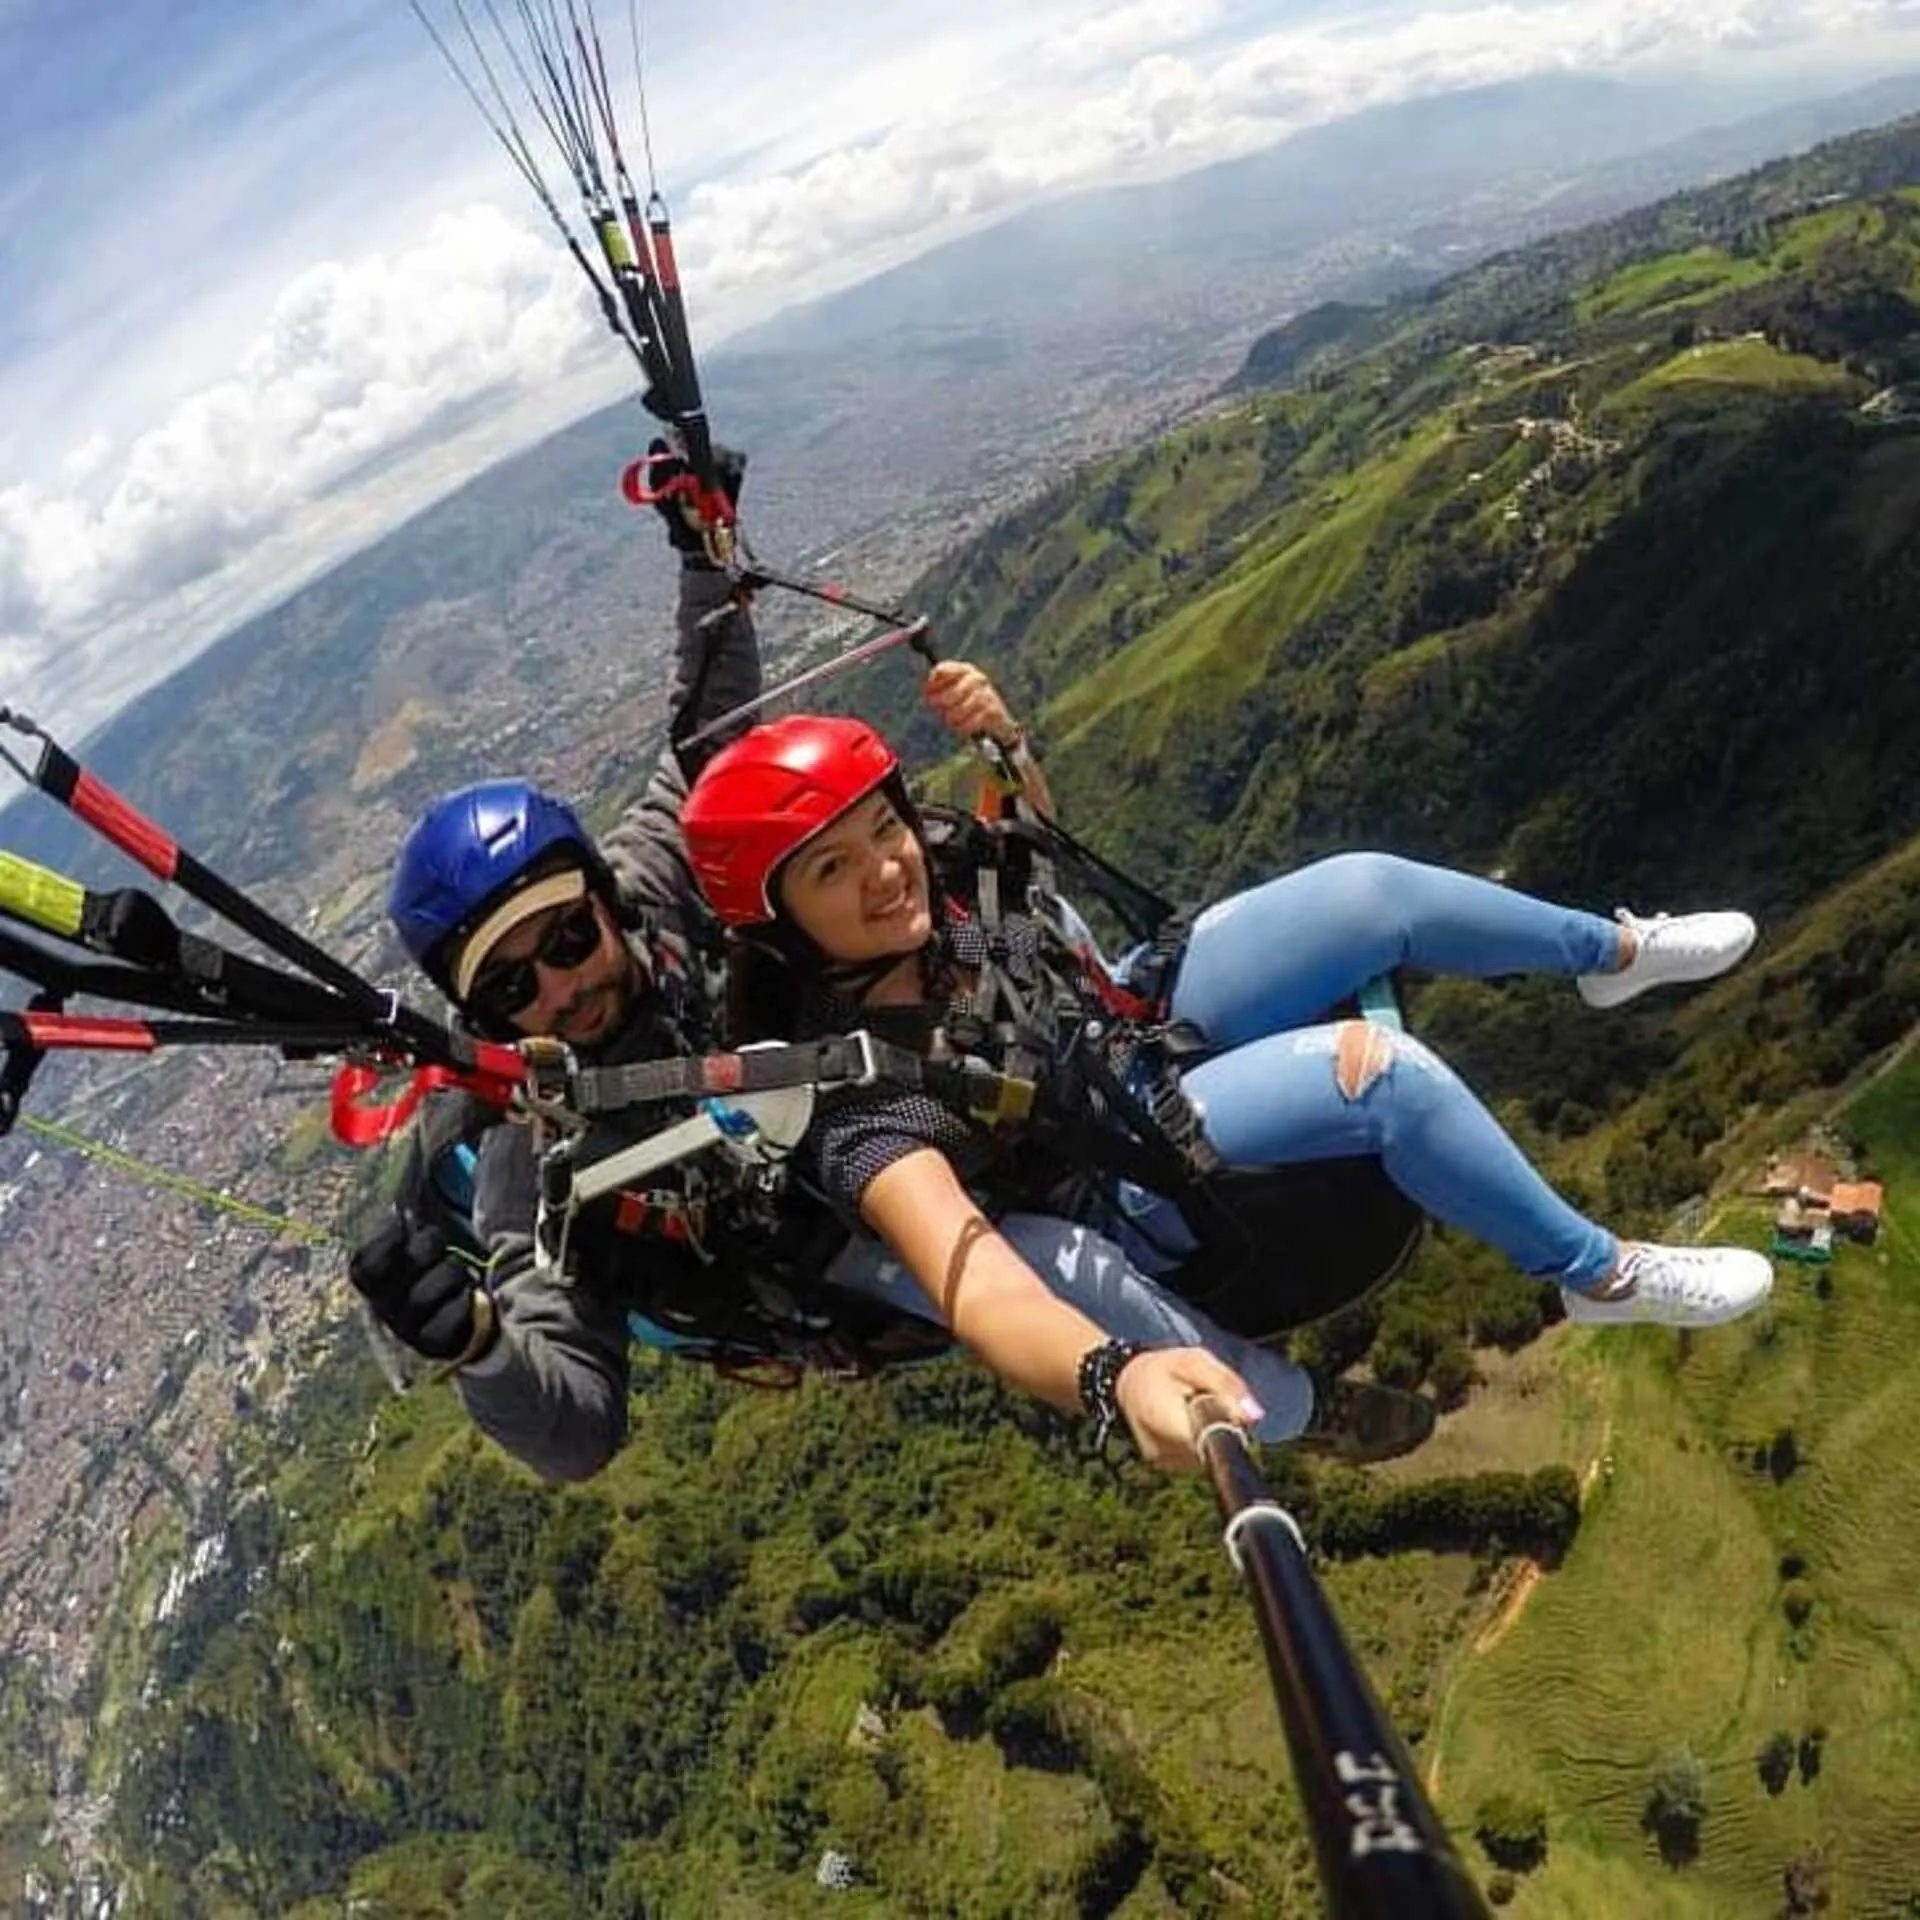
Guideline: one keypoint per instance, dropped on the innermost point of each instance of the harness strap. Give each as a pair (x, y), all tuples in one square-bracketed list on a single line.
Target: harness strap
[(841, 1060), (859, 1059), (1143, 911), (1154, 975), (23, 1060), (1165, 1126), (131, 925), (70, 971)]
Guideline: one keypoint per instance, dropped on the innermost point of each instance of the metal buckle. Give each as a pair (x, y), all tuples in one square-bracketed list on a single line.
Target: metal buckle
[(554, 1211), (996, 1099), (862, 1042), (549, 1084)]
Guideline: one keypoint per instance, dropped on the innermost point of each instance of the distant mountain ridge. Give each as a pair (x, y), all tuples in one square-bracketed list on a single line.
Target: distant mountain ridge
[(1580, 147)]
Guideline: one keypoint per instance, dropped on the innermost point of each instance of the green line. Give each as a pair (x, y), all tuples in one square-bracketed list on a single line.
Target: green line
[(177, 1183), (225, 1202)]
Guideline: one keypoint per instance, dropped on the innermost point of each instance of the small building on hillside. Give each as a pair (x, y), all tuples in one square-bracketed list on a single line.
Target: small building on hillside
[(1805, 1175), (1812, 1246), (1803, 1230), (1855, 1207)]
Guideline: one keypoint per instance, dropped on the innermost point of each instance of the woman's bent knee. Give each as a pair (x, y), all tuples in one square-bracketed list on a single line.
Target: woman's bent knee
[(1362, 1054)]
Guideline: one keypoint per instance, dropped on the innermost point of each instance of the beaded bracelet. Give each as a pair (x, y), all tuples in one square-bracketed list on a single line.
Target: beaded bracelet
[(1098, 1382)]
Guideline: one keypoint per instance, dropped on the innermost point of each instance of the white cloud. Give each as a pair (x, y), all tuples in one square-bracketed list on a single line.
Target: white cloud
[(1144, 26), (121, 554), (357, 358), (1043, 131)]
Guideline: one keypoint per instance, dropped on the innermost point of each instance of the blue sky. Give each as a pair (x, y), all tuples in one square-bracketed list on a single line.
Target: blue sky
[(267, 285)]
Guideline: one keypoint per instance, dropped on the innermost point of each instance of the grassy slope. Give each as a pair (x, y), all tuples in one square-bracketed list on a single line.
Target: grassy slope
[(1215, 655), (1683, 1515), (1665, 1628)]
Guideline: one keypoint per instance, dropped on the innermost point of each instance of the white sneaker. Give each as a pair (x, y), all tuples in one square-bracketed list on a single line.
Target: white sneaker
[(1678, 1287), (1670, 948)]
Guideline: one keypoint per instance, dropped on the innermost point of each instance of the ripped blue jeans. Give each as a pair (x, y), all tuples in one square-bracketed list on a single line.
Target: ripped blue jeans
[(1264, 960), (1257, 965)]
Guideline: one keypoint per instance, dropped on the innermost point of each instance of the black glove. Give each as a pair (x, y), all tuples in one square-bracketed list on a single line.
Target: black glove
[(428, 1300), (685, 529)]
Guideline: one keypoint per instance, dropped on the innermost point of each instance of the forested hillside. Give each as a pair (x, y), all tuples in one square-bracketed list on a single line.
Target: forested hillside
[(1595, 567)]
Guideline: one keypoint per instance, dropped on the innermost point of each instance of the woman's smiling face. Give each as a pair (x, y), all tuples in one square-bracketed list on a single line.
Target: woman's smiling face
[(858, 888)]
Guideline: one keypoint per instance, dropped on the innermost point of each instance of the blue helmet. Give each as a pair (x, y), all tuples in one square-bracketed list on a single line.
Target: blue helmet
[(468, 852)]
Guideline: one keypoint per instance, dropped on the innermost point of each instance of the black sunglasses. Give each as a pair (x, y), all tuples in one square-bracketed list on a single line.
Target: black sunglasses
[(507, 987)]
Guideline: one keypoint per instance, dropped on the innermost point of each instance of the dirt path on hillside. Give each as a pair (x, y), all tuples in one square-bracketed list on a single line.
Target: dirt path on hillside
[(1518, 1578), (1602, 1460), (1517, 1581), (1526, 1577)]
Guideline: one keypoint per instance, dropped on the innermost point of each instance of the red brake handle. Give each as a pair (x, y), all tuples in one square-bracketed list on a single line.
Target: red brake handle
[(357, 1124), (710, 504)]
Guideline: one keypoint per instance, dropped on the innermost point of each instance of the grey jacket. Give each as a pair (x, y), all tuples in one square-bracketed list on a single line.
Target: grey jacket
[(553, 1388)]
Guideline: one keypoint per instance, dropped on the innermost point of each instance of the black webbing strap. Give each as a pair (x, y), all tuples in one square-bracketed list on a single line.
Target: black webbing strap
[(65, 972), (1143, 911), (132, 926), (19, 1061), (841, 1060)]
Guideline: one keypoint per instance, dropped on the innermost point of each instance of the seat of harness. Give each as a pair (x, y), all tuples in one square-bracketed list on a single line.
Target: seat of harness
[(1282, 1246)]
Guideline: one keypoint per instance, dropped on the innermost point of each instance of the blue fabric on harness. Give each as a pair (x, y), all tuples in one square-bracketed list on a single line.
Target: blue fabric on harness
[(650, 1333), (453, 1174)]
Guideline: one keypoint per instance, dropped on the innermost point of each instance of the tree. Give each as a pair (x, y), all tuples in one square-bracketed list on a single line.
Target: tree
[(1028, 1722), (1020, 1643), (1452, 1375), (1676, 1806), (1805, 1881), (1513, 1832)]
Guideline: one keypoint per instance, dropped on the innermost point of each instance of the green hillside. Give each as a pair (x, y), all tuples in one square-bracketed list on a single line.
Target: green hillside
[(1669, 1624), (1574, 567), (1594, 566)]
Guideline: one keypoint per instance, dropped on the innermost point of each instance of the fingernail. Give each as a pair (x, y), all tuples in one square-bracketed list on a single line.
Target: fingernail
[(1252, 1407)]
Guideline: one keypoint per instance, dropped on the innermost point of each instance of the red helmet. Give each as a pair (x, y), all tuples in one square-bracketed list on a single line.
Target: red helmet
[(762, 798)]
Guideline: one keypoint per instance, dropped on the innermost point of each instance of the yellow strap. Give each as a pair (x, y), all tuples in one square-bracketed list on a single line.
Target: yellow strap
[(40, 895), (613, 239), (486, 1317), (1013, 1102)]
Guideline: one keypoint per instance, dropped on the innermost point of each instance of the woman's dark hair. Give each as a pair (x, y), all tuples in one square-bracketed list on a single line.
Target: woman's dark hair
[(764, 988)]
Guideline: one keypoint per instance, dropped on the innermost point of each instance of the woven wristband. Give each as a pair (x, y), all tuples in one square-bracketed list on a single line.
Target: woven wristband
[(1098, 1381)]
